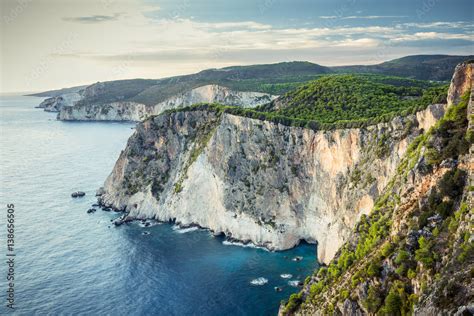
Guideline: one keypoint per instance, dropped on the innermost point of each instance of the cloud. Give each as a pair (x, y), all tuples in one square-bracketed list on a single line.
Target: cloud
[(418, 36), (440, 24), (186, 40), (359, 43), (364, 17), (93, 18)]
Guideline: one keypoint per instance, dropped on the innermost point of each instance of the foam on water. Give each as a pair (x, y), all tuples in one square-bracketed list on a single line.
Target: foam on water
[(294, 283), (259, 281), (183, 230), (241, 244)]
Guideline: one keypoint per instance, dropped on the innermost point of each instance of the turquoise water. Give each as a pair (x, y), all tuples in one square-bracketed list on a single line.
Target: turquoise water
[(71, 262)]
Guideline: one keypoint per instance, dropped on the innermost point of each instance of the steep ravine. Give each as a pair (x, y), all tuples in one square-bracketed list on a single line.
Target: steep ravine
[(133, 111), (257, 181)]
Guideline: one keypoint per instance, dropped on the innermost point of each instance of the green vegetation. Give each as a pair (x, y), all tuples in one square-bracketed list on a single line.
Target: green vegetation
[(342, 101), (424, 253), (373, 301), (449, 138), (271, 78), (373, 245), (293, 302), (357, 98), (424, 67)]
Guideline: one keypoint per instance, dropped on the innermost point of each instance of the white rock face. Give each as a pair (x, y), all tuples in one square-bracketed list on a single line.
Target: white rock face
[(131, 111), (257, 181), (55, 104), (116, 111)]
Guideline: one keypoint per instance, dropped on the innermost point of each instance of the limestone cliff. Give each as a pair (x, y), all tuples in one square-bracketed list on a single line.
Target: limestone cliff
[(414, 252), (56, 103), (133, 111), (257, 181)]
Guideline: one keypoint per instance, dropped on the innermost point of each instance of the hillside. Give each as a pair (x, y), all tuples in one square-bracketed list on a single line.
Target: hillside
[(55, 93), (413, 253), (341, 101), (273, 79), (423, 67), (339, 98)]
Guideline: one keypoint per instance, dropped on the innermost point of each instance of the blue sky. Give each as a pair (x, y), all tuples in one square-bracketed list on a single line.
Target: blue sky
[(88, 41), (284, 13)]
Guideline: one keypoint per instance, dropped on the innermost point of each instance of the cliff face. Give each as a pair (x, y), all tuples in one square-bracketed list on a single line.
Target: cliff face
[(132, 111), (55, 104), (258, 181), (414, 252), (460, 83)]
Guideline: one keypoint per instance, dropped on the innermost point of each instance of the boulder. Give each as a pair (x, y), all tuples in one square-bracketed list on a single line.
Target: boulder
[(78, 194), (99, 192)]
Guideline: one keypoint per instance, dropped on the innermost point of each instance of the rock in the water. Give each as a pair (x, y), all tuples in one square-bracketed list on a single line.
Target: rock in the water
[(78, 194), (91, 210), (99, 192)]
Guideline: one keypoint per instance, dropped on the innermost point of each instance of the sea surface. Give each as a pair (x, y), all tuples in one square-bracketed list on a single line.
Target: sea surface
[(69, 262)]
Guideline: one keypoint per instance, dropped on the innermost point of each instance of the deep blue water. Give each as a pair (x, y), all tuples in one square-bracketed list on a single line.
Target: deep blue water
[(71, 262)]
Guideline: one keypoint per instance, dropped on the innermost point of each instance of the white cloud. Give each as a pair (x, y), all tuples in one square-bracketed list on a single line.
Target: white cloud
[(359, 43), (362, 17), (418, 36), (458, 24)]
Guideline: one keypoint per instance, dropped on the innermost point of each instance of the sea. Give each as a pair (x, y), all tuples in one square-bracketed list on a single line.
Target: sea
[(70, 262)]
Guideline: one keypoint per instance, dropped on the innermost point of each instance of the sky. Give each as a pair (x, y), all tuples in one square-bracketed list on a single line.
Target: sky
[(51, 44)]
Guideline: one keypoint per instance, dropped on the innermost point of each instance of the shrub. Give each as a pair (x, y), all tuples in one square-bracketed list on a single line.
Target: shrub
[(333, 271), (402, 256), (373, 300), (401, 270), (387, 249), (373, 269), (293, 302), (344, 294), (316, 288), (345, 259), (424, 254), (411, 274)]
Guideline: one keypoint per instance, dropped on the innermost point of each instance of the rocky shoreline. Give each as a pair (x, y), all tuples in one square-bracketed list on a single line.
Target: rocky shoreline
[(209, 169)]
